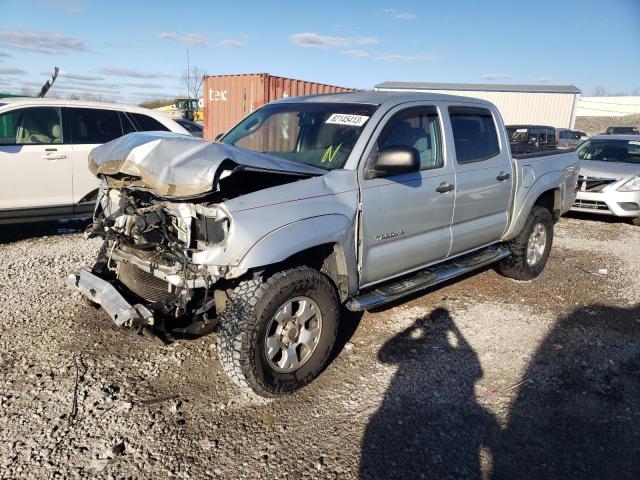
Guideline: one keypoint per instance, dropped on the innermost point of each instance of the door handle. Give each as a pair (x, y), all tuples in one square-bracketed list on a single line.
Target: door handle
[(445, 187), (503, 176), (55, 156)]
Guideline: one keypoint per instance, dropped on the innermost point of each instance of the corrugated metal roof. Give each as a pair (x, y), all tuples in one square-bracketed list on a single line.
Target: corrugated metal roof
[(480, 87)]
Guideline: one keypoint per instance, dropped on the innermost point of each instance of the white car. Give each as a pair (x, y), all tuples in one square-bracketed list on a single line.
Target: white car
[(44, 145)]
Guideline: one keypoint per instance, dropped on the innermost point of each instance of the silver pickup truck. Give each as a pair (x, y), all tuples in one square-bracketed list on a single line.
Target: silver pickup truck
[(309, 205)]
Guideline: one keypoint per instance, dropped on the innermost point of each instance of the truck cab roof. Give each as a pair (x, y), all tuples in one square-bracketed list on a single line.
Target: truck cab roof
[(388, 99)]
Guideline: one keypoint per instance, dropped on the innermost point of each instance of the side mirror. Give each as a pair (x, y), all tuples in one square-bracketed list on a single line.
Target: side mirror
[(394, 161), (218, 137)]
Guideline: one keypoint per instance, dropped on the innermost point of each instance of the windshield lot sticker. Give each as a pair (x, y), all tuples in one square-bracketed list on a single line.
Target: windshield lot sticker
[(346, 119)]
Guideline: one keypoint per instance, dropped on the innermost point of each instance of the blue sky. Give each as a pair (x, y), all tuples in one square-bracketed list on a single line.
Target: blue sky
[(128, 51)]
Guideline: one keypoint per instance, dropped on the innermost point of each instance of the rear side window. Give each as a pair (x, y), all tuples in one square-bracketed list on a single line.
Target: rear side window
[(144, 123), (551, 136), (31, 126), (419, 129), (93, 125), (474, 134)]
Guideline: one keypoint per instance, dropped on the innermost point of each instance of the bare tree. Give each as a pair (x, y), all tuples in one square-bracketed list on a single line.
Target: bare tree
[(599, 91), (27, 92), (193, 81)]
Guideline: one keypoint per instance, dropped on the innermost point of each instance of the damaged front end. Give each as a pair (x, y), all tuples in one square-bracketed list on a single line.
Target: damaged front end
[(147, 260), (161, 214)]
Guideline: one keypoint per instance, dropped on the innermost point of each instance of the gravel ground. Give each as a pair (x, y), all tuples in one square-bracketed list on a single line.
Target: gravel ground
[(482, 378)]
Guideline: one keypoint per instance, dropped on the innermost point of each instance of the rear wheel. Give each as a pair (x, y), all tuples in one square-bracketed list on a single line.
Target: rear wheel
[(531, 248), (276, 333)]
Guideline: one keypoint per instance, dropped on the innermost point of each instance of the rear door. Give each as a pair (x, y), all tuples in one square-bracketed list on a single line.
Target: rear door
[(483, 179), (405, 220), (35, 168), (89, 127)]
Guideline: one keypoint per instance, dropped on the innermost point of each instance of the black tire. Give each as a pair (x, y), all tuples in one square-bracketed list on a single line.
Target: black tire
[(242, 330), (636, 221), (516, 266)]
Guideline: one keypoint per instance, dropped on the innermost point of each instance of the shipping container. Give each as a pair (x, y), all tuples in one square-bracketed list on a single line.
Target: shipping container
[(230, 98)]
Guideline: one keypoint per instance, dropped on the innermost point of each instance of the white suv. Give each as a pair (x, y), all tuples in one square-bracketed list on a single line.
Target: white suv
[(44, 144)]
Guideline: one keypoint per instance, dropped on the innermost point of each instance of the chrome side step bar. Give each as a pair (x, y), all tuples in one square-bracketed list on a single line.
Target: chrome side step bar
[(428, 277)]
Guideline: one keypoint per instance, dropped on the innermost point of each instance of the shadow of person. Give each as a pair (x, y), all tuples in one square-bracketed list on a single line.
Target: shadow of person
[(429, 424), (578, 414)]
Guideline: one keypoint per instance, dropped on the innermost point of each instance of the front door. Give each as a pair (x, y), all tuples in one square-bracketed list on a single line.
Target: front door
[(483, 180), (405, 220), (34, 161)]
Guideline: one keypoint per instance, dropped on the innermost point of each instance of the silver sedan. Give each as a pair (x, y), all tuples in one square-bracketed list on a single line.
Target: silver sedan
[(609, 182)]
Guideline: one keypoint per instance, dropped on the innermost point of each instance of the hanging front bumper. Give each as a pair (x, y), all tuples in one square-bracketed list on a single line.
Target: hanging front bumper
[(107, 296)]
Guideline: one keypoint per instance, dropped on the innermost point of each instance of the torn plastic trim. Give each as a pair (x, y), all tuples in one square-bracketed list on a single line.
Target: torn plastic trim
[(103, 293)]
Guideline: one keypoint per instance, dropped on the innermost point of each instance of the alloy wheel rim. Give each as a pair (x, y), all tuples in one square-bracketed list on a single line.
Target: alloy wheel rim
[(293, 334), (536, 244)]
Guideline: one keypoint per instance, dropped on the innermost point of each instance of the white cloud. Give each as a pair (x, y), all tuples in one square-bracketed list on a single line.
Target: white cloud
[(355, 53), (41, 42), (418, 57), (131, 73), (144, 85), (67, 6), (315, 40), (496, 76), (543, 79), (4, 55), (392, 12), (187, 39), (11, 71), (227, 42), (74, 76)]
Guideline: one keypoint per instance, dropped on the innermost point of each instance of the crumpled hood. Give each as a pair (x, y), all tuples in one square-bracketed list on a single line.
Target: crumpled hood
[(618, 170), (179, 165)]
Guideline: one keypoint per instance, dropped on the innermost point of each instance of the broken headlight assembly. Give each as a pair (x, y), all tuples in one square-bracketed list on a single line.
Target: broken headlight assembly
[(211, 231)]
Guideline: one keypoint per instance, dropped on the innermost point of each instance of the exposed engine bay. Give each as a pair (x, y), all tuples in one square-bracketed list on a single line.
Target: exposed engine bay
[(153, 227)]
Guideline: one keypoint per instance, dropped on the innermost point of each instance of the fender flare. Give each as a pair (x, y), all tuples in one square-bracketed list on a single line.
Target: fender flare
[(541, 185)]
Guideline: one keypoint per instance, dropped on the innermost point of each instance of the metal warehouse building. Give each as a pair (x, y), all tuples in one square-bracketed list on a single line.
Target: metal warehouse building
[(553, 105)]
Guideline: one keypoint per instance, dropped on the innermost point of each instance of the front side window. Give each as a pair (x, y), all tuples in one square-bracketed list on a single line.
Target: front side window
[(93, 126), (318, 134), (617, 151), (474, 134), (31, 126), (419, 129)]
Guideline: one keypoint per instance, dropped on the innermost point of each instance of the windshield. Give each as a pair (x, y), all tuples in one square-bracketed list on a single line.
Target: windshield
[(623, 151), (517, 135), (317, 134)]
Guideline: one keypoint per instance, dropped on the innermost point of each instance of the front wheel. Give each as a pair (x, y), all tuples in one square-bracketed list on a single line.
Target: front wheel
[(277, 332), (531, 248)]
